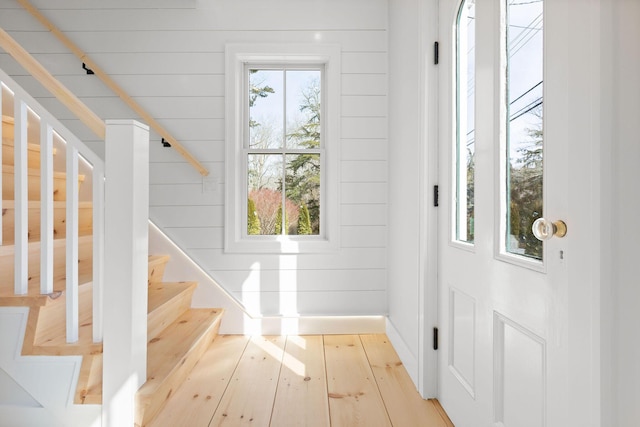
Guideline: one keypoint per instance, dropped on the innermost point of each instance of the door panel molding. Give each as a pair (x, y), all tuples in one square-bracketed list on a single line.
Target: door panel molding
[(462, 339), (520, 395)]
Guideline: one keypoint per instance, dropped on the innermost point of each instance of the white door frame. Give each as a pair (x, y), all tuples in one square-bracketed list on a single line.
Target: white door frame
[(429, 171)]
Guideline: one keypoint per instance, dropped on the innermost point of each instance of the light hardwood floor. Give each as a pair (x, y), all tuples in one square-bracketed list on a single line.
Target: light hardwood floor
[(318, 380)]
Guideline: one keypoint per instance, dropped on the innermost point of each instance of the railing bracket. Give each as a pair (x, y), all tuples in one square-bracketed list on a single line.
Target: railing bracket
[(88, 70), (165, 143)]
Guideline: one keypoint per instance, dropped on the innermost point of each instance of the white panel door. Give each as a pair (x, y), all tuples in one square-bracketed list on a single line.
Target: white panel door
[(503, 298)]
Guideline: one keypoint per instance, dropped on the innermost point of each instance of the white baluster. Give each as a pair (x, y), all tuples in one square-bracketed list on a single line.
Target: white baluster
[(21, 198), (46, 208), (72, 244)]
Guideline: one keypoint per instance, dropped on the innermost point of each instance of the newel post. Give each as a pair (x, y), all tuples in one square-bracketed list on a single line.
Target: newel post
[(125, 272)]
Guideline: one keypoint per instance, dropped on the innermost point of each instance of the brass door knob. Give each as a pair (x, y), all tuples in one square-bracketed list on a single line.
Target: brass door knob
[(544, 229)]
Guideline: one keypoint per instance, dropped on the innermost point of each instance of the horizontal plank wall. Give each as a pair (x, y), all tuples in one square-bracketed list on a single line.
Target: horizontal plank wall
[(169, 55)]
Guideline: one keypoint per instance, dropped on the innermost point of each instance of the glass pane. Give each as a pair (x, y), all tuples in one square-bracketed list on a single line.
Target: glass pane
[(266, 108), (303, 108), (465, 131), (303, 193), (264, 202), (524, 127)]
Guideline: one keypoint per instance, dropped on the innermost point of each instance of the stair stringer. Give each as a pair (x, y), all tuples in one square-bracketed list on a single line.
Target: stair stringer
[(237, 320), (49, 381)]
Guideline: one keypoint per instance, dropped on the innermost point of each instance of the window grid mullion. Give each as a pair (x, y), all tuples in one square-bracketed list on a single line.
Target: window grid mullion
[(283, 175)]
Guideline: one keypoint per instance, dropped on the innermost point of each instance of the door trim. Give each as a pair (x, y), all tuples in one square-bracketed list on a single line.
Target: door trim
[(429, 17)]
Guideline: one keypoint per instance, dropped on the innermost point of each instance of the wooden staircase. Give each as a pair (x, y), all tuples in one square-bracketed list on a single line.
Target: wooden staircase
[(177, 334)]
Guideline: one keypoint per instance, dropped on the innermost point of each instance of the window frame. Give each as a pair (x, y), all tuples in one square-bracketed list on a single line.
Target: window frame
[(240, 58)]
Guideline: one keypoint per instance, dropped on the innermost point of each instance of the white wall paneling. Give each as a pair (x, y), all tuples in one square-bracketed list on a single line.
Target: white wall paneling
[(406, 143), (182, 194), (315, 303), (363, 105), (364, 171), (188, 216), (364, 149), (620, 156), (371, 214), (214, 260), (169, 56), (363, 193), (302, 280), (364, 84)]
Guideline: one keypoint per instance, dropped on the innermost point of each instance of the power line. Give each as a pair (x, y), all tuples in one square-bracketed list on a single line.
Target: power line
[(530, 89), (526, 109)]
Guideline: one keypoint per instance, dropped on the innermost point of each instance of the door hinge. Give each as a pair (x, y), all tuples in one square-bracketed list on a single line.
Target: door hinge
[(436, 196), (435, 338), (436, 53)]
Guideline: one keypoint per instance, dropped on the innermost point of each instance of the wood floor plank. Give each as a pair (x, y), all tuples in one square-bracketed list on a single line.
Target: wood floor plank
[(249, 398), (404, 404), (196, 400), (301, 397), (354, 399), (441, 411)]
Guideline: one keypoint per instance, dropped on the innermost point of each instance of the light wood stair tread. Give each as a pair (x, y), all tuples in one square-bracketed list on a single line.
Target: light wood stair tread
[(85, 220), (171, 356), (9, 169), (35, 204), (162, 292), (34, 155), (195, 402), (8, 126), (9, 142), (51, 332), (166, 351), (166, 302), (157, 264), (33, 296)]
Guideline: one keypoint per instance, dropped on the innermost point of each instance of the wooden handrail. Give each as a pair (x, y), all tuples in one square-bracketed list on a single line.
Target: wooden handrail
[(45, 78), (114, 87)]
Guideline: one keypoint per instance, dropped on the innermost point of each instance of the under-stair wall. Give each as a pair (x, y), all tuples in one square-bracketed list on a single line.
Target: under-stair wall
[(169, 56)]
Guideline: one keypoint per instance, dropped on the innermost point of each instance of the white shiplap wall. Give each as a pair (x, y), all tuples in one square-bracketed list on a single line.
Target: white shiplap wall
[(169, 55)]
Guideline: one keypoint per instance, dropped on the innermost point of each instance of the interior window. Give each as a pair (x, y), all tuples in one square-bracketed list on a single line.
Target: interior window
[(283, 150)]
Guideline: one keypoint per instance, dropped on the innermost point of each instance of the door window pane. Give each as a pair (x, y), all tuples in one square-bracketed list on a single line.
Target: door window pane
[(465, 122), (524, 126)]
